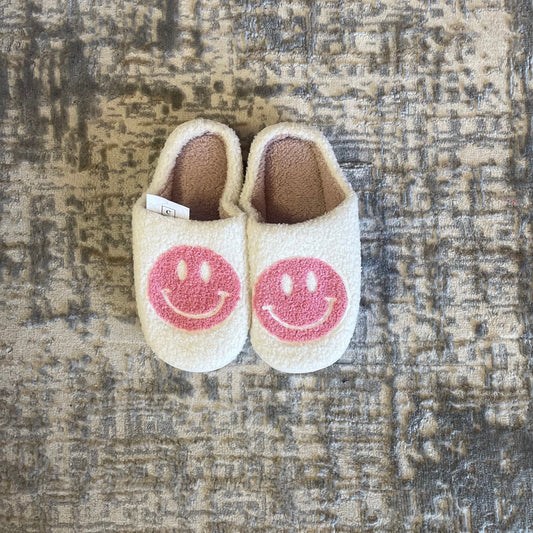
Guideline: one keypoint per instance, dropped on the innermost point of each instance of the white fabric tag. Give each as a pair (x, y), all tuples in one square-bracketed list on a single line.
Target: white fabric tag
[(166, 207)]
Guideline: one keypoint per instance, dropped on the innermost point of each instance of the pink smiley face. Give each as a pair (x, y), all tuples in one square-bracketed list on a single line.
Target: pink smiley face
[(299, 299), (193, 288)]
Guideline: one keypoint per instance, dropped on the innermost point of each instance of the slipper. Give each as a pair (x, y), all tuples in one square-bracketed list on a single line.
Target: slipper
[(190, 273), (303, 249)]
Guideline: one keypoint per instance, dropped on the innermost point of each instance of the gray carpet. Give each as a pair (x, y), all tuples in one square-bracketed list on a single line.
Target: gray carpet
[(425, 424)]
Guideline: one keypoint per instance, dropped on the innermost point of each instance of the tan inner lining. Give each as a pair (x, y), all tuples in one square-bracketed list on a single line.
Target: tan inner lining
[(294, 183), (199, 175)]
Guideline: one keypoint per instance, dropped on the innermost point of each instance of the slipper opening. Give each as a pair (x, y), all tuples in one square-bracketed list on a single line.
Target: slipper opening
[(294, 182), (198, 177)]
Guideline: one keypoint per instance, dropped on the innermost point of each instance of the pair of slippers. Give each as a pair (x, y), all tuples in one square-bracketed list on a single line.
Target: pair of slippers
[(278, 256)]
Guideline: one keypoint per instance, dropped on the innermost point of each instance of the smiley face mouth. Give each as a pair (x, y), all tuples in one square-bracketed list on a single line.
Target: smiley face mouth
[(331, 302), (223, 295)]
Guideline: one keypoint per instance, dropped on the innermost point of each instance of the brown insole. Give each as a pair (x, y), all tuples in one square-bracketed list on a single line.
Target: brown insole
[(294, 183), (199, 176)]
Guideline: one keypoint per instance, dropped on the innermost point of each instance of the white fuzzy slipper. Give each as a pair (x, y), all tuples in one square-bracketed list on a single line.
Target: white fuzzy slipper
[(190, 275), (303, 249)]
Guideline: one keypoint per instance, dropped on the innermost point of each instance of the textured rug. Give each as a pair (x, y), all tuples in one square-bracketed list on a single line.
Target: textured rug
[(425, 424)]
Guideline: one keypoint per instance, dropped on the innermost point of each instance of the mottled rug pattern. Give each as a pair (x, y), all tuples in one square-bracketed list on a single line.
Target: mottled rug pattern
[(425, 424)]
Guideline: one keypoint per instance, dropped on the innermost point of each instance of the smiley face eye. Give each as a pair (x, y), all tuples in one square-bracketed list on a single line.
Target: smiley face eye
[(205, 271), (286, 284), (311, 281), (182, 270)]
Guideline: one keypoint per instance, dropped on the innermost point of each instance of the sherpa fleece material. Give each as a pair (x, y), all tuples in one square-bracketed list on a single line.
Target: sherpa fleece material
[(303, 249), (190, 275)]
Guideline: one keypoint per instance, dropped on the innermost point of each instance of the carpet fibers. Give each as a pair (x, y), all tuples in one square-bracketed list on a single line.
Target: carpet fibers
[(425, 424)]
